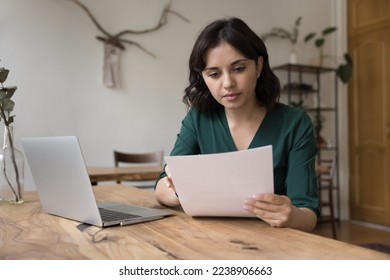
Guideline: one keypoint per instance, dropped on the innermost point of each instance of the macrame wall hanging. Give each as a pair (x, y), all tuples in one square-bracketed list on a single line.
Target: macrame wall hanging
[(114, 43)]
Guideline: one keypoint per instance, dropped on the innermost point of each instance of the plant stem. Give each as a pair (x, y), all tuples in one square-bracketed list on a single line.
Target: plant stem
[(11, 143)]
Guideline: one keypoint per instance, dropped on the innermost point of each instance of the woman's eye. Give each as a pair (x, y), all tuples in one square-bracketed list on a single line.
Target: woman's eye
[(213, 75), (239, 68)]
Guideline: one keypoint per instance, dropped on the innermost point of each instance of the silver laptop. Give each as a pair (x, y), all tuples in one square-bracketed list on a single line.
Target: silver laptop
[(64, 188)]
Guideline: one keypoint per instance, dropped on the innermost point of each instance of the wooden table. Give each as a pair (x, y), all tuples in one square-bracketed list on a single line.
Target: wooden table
[(28, 233), (131, 173)]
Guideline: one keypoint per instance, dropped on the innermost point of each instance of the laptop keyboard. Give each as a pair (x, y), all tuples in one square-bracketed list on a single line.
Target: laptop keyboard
[(111, 215)]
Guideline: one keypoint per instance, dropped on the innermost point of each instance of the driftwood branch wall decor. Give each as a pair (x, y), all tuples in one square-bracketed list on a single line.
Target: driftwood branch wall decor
[(114, 43)]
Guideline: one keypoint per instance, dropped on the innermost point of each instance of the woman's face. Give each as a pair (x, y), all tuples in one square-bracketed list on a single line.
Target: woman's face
[(231, 77)]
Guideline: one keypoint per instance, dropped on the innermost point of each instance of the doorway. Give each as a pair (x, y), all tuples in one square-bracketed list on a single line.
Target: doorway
[(369, 111)]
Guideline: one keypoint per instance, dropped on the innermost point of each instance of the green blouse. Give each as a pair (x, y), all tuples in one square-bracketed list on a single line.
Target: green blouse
[(288, 130)]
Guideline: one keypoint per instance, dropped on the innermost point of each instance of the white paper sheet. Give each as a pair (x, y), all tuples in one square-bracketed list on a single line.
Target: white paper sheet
[(218, 184)]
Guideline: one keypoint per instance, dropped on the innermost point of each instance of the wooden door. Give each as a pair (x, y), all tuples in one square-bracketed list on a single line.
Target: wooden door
[(369, 110)]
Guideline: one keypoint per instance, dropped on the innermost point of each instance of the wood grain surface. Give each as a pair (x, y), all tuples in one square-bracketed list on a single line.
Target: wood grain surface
[(28, 233)]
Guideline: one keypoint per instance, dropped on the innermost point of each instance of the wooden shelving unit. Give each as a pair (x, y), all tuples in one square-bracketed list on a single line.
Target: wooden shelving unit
[(301, 87)]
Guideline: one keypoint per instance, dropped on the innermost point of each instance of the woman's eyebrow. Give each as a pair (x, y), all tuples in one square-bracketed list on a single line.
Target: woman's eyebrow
[(212, 68), (239, 61)]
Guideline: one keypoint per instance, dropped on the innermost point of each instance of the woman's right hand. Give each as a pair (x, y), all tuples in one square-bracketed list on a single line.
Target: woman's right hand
[(168, 180), (165, 192)]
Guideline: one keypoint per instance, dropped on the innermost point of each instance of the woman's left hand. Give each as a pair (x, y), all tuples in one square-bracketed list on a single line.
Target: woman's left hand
[(276, 210)]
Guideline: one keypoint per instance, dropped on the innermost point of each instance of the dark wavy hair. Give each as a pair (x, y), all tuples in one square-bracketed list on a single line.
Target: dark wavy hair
[(237, 34)]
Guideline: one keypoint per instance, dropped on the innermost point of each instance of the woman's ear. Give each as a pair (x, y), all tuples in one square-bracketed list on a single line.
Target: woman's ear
[(259, 65)]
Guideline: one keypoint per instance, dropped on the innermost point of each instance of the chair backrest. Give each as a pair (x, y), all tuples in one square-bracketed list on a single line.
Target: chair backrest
[(151, 158), (326, 168), (326, 172), (156, 157)]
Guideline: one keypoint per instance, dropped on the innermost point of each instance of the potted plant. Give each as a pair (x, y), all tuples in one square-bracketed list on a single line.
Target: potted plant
[(290, 35), (11, 160), (344, 70)]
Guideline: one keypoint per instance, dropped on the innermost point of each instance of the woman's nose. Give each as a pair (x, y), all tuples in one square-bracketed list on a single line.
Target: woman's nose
[(228, 81)]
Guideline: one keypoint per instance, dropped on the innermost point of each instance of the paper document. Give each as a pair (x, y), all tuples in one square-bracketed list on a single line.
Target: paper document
[(218, 184)]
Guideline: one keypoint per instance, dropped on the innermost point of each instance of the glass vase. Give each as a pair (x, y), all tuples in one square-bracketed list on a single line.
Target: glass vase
[(11, 170)]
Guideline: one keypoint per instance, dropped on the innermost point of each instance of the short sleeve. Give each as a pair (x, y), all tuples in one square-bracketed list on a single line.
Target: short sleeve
[(301, 180)]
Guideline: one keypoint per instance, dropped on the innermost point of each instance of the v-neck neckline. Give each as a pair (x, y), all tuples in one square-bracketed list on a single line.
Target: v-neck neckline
[(257, 134)]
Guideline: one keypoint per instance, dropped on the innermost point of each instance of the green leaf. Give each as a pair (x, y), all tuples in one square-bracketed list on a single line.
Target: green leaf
[(3, 94), (11, 119), (319, 42), (328, 30), (348, 59), (10, 91), (298, 21), (282, 33), (309, 36), (7, 104), (344, 71), (277, 32), (269, 35), (3, 74)]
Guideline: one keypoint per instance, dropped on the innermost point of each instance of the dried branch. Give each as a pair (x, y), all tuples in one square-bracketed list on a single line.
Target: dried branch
[(82, 6), (139, 46), (117, 40)]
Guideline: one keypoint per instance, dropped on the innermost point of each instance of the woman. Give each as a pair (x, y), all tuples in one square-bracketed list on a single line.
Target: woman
[(233, 105)]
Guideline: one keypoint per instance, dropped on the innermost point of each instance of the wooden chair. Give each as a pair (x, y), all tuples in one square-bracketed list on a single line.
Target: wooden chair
[(325, 170), (150, 159)]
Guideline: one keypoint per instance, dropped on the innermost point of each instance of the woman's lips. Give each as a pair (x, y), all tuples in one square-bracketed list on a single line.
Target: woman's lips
[(230, 96)]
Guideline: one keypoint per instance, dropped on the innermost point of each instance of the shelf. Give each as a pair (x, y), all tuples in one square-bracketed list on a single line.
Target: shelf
[(325, 188), (332, 148), (303, 68), (329, 109), (298, 90)]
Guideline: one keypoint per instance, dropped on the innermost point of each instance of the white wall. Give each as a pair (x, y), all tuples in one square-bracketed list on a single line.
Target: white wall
[(56, 62)]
